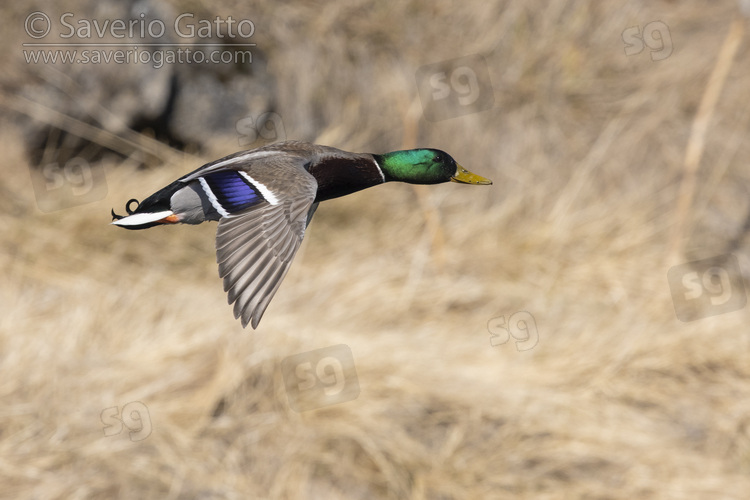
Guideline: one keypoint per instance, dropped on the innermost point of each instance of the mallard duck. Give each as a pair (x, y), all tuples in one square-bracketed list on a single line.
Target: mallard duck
[(264, 200)]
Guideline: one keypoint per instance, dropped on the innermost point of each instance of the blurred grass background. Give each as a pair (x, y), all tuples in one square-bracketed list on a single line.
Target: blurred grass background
[(586, 148)]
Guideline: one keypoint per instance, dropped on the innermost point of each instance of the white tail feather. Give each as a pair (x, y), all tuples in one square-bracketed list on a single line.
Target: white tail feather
[(138, 219)]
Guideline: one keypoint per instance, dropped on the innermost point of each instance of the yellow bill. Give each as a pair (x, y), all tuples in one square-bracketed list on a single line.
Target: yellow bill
[(465, 177)]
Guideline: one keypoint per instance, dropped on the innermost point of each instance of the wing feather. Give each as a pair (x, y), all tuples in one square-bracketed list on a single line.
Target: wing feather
[(255, 246)]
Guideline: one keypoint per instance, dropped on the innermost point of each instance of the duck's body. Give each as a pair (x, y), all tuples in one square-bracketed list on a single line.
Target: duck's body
[(264, 200)]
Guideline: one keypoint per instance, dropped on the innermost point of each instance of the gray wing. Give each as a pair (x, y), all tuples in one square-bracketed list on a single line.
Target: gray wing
[(255, 247)]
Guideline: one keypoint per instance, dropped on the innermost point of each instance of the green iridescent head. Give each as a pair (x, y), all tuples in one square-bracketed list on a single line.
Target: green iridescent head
[(425, 166)]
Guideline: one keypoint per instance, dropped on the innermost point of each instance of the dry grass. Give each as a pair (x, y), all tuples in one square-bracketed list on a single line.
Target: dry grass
[(618, 399)]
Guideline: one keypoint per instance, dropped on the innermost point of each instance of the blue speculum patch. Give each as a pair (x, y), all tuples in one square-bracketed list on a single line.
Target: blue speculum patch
[(232, 190)]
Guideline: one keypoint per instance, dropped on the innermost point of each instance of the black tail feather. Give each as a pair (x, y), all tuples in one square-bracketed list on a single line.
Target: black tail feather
[(127, 209), (157, 202)]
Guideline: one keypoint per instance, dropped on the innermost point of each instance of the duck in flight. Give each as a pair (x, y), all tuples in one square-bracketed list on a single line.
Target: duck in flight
[(264, 199)]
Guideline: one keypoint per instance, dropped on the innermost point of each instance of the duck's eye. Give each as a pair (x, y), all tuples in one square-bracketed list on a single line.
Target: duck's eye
[(436, 159)]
